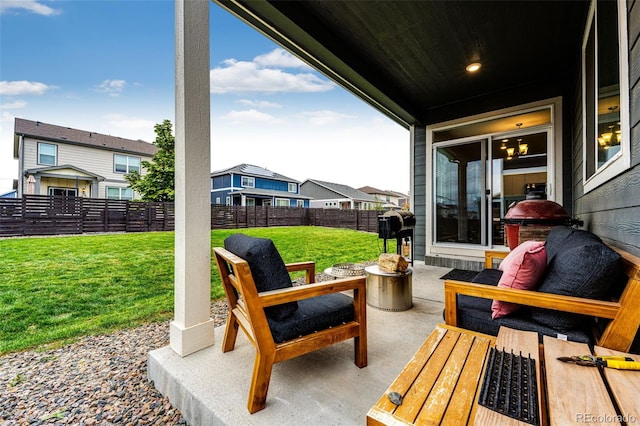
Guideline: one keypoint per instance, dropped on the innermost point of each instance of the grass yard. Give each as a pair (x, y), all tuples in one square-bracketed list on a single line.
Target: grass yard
[(54, 290)]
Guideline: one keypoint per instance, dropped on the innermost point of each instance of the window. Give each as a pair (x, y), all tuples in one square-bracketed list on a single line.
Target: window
[(293, 187), (299, 203), (66, 192), (47, 154), (282, 202), (118, 193), (248, 182), (126, 164), (251, 202), (605, 85), (484, 163)]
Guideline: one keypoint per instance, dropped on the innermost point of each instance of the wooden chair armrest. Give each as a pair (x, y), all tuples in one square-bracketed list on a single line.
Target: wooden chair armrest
[(578, 305), (309, 267), (291, 294), (490, 255)]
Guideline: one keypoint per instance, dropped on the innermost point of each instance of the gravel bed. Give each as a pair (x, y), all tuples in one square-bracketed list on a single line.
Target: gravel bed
[(99, 380)]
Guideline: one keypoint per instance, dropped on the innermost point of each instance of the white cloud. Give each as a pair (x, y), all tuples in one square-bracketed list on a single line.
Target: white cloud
[(13, 105), (132, 127), (7, 117), (112, 87), (249, 116), (23, 87), (28, 5), (257, 77), (259, 104), (279, 58), (322, 118)]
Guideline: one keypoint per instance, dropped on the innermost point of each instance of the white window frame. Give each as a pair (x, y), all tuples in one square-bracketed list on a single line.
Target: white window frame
[(293, 187), (128, 159), (121, 190), (283, 202), (250, 202), (554, 164), (622, 160), (248, 182), (68, 192), (55, 154), (299, 203)]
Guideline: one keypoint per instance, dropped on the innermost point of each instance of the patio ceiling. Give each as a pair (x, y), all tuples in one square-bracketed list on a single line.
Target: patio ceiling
[(408, 58)]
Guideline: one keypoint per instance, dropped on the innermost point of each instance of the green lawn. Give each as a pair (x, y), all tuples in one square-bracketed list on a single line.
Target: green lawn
[(54, 290)]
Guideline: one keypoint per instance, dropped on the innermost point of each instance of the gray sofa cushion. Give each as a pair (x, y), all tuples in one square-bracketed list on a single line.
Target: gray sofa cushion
[(581, 265), (267, 268), (474, 313)]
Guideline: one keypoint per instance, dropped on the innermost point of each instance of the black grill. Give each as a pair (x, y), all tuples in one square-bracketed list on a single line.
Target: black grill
[(397, 224)]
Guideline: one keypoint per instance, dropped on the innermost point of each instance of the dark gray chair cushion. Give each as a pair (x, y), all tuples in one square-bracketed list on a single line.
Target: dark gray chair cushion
[(474, 313), (315, 314), (267, 268), (580, 265), (561, 238)]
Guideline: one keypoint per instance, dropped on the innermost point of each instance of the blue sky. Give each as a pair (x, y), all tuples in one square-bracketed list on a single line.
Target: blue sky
[(108, 67)]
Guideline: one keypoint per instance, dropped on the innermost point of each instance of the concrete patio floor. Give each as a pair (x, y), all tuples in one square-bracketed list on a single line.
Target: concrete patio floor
[(321, 388)]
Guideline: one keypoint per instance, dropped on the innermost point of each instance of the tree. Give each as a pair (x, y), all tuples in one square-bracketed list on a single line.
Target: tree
[(158, 182)]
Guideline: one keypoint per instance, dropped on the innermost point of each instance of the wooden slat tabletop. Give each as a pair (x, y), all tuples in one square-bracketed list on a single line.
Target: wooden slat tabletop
[(575, 394), (625, 386)]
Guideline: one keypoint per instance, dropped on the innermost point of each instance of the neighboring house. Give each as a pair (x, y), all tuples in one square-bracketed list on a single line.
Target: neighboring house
[(58, 160), (329, 195), (11, 194), (387, 199), (249, 185)]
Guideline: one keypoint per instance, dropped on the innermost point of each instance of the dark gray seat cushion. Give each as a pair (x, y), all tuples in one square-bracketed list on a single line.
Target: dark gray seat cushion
[(474, 313), (315, 314), (267, 268), (578, 264)]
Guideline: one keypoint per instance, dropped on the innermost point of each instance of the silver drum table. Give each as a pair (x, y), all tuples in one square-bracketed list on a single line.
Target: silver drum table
[(389, 291)]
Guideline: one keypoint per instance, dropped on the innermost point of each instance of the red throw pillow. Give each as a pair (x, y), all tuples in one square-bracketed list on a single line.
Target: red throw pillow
[(522, 268)]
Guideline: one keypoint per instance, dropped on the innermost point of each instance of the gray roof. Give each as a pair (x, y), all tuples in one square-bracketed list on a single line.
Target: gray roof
[(251, 170), (372, 190), (344, 190), (61, 134), (268, 193)]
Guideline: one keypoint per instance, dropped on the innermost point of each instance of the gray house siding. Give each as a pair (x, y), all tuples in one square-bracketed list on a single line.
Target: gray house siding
[(612, 210), (419, 153)]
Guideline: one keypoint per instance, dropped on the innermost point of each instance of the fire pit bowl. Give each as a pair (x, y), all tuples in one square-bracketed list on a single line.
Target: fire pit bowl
[(347, 270)]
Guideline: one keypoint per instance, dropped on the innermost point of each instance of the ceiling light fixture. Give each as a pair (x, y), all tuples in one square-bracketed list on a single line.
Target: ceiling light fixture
[(473, 67)]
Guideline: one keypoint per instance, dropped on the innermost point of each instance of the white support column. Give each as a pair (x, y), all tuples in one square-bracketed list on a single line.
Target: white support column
[(192, 327)]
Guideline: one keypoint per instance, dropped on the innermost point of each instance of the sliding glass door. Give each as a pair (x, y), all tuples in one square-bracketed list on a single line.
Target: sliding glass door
[(477, 180), (459, 192)]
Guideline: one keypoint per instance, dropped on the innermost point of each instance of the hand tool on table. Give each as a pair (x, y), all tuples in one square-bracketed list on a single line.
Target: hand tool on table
[(617, 362)]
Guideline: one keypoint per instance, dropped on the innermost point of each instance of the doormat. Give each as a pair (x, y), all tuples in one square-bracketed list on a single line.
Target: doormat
[(459, 275)]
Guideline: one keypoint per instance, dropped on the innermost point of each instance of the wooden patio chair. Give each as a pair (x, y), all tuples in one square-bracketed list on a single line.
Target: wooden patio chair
[(283, 321)]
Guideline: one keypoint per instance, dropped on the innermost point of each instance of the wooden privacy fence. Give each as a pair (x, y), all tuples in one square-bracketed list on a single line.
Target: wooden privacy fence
[(55, 215)]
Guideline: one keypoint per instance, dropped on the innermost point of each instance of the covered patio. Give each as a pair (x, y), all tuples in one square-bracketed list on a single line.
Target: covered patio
[(321, 388), (406, 59)]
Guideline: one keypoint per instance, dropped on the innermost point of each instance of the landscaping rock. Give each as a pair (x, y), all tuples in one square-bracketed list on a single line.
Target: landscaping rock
[(99, 380)]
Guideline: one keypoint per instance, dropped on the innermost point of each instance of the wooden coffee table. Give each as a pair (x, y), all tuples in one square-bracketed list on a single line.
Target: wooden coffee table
[(441, 383)]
